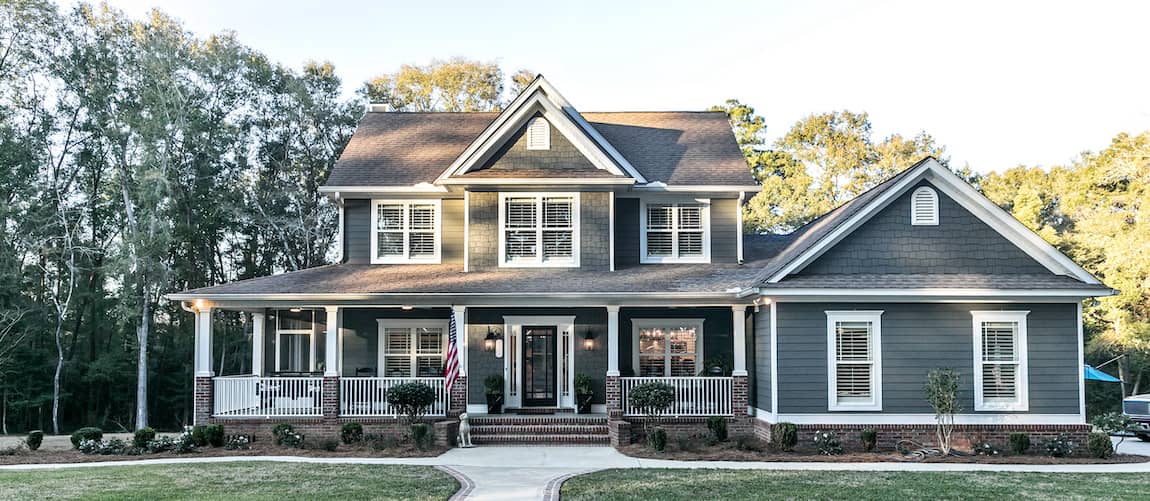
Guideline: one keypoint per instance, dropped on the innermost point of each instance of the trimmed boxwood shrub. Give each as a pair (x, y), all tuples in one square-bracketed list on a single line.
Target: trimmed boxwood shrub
[(784, 436), (413, 399), (717, 425), (351, 433), (1019, 443), (653, 398), (34, 439), (214, 434), (1100, 445), (143, 436), (869, 439), (86, 433)]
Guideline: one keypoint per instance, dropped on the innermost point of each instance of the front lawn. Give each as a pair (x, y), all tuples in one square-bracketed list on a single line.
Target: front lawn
[(693, 485), (228, 481)]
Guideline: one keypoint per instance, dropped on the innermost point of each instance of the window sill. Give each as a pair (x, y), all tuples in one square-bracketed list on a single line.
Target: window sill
[(675, 260), (1003, 407), (539, 265), (854, 408), (436, 260)]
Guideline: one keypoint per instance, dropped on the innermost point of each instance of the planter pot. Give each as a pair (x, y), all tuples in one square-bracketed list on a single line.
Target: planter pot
[(494, 404), (584, 402)]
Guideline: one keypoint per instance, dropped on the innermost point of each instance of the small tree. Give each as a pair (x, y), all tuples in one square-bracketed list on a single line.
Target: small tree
[(413, 399), (1115, 423), (653, 399), (942, 393)]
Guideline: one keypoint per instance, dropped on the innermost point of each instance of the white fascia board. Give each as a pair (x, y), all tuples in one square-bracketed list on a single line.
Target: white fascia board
[(368, 190), (932, 293), (862, 418), (577, 117), (721, 297), (695, 188), (538, 181)]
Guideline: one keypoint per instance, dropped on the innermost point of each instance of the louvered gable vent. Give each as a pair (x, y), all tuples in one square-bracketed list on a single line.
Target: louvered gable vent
[(924, 207), (538, 134)]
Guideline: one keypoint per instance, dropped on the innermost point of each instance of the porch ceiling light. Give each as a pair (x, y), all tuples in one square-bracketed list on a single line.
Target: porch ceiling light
[(407, 307), (295, 310)]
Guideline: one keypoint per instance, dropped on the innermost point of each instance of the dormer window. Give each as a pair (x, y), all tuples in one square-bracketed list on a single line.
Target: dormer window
[(405, 231), (924, 207), (538, 134)]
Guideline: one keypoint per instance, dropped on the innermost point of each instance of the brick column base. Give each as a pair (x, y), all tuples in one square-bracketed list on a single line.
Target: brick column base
[(203, 402), (739, 400), (446, 431), (330, 398), (620, 432), (457, 401), (614, 398)]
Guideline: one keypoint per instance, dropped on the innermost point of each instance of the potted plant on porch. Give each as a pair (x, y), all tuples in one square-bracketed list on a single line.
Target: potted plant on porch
[(493, 389), (584, 392)]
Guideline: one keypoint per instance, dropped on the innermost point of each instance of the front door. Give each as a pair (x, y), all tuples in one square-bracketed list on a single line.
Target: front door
[(539, 347)]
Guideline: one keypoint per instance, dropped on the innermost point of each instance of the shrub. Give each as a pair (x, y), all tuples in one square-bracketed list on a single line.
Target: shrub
[(19, 449), (34, 439), (293, 440), (383, 442), (160, 445), (143, 436), (412, 399), (282, 429), (422, 436), (103, 447), (657, 439), (1060, 446), (942, 394), (493, 385), (784, 436), (652, 398), (1019, 443), (1099, 445), (199, 435), (86, 433), (329, 444), (746, 442), (828, 443), (238, 443), (351, 432), (717, 425), (985, 449), (1115, 423), (214, 434), (869, 439), (687, 442)]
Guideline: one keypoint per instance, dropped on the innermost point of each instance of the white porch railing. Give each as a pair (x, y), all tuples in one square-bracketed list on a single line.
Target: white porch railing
[(255, 396), (367, 396), (694, 396)]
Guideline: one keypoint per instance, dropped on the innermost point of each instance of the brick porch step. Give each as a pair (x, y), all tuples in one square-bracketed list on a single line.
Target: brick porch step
[(539, 429), (567, 420), (596, 439), (560, 429)]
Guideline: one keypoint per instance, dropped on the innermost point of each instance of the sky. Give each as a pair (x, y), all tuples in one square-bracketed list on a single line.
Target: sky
[(999, 83)]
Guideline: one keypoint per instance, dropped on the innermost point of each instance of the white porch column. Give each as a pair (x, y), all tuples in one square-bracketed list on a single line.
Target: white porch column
[(739, 324), (258, 344), (460, 315), (331, 343), (204, 342), (613, 341)]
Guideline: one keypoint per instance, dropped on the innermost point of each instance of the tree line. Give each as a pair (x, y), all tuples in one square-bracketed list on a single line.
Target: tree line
[(138, 158)]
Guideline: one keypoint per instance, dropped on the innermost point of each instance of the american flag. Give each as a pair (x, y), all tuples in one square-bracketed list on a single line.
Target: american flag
[(452, 370)]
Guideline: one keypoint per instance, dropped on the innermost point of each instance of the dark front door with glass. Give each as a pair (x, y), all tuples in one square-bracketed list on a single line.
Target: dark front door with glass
[(539, 346)]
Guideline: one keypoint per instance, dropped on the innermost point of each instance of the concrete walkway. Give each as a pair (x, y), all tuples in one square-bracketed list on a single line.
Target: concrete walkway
[(531, 473)]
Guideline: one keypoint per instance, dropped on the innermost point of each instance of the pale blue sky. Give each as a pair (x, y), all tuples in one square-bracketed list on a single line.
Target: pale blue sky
[(1000, 83)]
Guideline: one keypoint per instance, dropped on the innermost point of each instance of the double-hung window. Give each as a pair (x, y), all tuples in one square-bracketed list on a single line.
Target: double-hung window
[(295, 341), (667, 347), (412, 348), (539, 229), (854, 360), (405, 231), (1000, 361), (675, 232)]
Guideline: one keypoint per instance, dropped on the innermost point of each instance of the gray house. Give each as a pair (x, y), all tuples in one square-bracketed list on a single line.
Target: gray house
[(557, 243)]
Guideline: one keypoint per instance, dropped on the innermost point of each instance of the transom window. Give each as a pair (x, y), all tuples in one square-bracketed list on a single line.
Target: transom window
[(855, 361), (412, 348), (675, 232), (405, 231), (1000, 373), (667, 347), (539, 229)]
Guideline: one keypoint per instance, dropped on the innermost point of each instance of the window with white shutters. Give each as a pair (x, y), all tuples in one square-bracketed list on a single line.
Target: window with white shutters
[(854, 361), (675, 232), (405, 231), (538, 134), (924, 207), (539, 229), (667, 347), (412, 348), (1000, 360)]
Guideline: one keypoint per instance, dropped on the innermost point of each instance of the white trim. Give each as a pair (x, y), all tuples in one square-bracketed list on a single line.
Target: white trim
[(259, 329), (460, 314), (695, 188), (513, 325), (928, 419), (640, 323), (437, 231), (739, 326), (331, 350), (538, 261), (774, 358), (339, 235), (875, 320), (739, 227), (928, 292), (611, 231), (295, 332), (203, 342), (415, 189), (402, 323), (1081, 365), (1022, 402), (966, 196), (932, 199), (466, 231), (541, 181), (704, 216)]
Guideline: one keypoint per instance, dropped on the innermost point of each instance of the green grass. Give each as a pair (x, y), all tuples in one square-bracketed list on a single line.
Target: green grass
[(226, 481), (695, 485)]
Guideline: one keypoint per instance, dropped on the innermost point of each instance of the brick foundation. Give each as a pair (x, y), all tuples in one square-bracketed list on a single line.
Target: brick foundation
[(739, 386), (676, 426), (614, 397), (319, 428), (202, 403), (330, 398), (964, 435)]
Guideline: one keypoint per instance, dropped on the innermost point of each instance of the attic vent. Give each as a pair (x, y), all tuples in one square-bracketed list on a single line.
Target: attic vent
[(924, 207), (538, 134)]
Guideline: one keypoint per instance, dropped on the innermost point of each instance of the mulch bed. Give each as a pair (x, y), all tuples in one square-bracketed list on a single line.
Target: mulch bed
[(727, 452), (259, 448)]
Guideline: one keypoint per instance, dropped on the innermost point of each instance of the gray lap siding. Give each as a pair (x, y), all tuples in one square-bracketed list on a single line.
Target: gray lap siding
[(761, 359), (917, 337)]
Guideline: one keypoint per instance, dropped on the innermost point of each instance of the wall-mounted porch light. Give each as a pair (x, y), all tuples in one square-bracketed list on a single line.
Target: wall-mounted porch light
[(589, 340), (494, 342)]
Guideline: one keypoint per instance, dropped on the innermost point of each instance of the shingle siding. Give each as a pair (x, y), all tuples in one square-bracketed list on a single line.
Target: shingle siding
[(960, 243), (917, 337), (451, 250), (483, 240), (595, 230), (561, 156)]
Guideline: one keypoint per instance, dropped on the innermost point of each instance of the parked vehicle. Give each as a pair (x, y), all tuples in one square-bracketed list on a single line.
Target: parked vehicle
[(1138, 408)]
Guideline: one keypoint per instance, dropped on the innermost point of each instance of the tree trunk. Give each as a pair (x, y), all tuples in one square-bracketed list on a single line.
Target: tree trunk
[(142, 366), (56, 378)]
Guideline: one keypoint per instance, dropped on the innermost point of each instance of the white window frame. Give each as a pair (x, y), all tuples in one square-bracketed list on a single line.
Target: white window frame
[(539, 125), (705, 215), (407, 231), (875, 319), (538, 261), (1022, 399), (310, 333), (646, 323), (413, 355), (914, 219)]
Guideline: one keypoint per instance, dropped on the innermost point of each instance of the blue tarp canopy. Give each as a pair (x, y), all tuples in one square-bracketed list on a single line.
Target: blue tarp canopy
[(1097, 375)]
